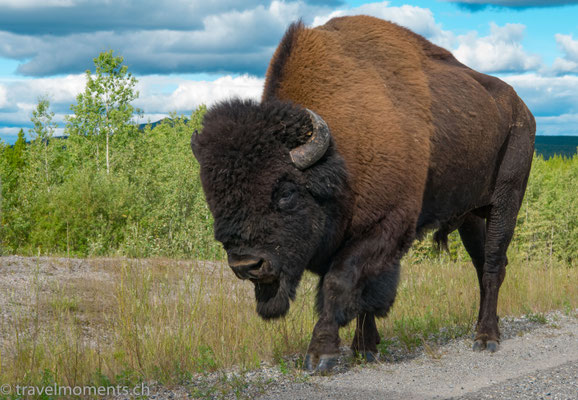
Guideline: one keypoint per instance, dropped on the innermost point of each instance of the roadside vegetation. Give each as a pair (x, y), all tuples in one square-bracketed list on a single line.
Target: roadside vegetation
[(166, 307)]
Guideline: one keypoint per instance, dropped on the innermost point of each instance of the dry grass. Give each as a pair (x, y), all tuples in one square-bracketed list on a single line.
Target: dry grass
[(120, 321)]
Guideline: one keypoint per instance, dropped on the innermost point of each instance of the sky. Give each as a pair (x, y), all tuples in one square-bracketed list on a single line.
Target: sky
[(189, 52)]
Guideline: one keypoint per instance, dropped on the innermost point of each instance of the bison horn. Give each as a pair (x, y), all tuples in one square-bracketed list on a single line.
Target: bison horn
[(309, 153)]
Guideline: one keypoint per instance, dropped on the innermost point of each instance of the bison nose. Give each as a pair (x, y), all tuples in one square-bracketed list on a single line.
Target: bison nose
[(242, 267)]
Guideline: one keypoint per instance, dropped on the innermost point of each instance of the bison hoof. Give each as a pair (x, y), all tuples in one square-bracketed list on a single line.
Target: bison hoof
[(309, 364), (491, 345), (324, 365), (479, 345), (370, 356)]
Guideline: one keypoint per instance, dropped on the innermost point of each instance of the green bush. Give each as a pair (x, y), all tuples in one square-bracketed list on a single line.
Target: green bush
[(150, 204)]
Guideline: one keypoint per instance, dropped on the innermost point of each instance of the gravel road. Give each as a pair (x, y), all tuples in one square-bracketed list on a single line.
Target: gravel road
[(535, 362)]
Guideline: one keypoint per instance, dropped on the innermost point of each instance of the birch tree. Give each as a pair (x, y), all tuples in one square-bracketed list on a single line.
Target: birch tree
[(104, 110), (41, 133)]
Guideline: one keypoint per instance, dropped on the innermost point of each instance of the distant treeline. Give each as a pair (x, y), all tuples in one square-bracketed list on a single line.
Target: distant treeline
[(64, 200), (548, 146)]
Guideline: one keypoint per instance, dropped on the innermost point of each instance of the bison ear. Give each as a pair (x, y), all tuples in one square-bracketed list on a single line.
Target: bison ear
[(195, 143), (309, 153)]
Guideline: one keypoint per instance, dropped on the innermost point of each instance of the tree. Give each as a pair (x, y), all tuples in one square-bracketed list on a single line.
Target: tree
[(42, 120), (15, 156), (42, 132), (104, 108), (12, 167)]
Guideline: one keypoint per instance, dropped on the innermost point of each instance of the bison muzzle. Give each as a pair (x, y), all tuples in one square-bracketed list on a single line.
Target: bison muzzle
[(366, 136)]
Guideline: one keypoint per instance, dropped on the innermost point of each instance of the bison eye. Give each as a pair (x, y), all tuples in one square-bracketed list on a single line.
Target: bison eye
[(287, 199)]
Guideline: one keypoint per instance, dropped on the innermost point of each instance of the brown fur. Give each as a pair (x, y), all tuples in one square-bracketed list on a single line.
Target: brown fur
[(395, 102), (427, 141), (383, 122)]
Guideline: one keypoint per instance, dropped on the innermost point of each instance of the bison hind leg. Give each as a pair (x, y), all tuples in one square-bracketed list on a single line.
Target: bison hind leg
[(473, 235), (506, 200)]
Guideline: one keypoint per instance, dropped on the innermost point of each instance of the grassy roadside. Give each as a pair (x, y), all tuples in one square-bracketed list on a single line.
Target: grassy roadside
[(124, 321)]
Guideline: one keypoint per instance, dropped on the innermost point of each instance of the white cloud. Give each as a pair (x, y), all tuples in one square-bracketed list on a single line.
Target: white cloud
[(3, 97), (563, 66), (569, 46), (501, 51), (191, 94), (9, 131), (64, 17), (237, 39), (159, 96), (188, 95), (553, 100), (23, 94), (419, 20), (520, 4), (547, 96), (60, 89), (230, 37), (558, 125)]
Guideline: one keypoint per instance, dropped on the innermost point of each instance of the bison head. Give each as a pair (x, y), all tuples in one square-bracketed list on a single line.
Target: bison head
[(278, 191)]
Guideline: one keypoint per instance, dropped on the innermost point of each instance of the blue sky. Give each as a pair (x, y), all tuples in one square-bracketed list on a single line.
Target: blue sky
[(187, 53)]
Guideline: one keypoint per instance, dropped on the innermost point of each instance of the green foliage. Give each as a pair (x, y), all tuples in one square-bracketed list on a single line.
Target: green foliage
[(12, 166), (150, 204), (14, 156), (108, 189), (42, 120), (548, 220), (103, 112), (538, 317)]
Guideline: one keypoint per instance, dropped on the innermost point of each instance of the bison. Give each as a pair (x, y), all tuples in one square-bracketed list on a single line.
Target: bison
[(366, 136)]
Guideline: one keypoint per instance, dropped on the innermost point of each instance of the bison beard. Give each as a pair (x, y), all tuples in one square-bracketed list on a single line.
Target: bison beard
[(366, 136), (272, 299)]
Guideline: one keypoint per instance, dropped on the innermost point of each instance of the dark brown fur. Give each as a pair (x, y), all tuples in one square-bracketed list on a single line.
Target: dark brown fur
[(418, 141)]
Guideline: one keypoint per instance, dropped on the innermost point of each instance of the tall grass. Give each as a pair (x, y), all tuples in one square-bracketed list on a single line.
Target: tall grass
[(166, 320)]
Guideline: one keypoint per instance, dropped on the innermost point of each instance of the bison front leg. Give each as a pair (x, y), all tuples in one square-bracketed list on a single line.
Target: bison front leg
[(362, 284), (337, 305)]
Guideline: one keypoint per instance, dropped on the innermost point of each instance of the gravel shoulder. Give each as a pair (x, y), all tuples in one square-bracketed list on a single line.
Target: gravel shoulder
[(534, 362)]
